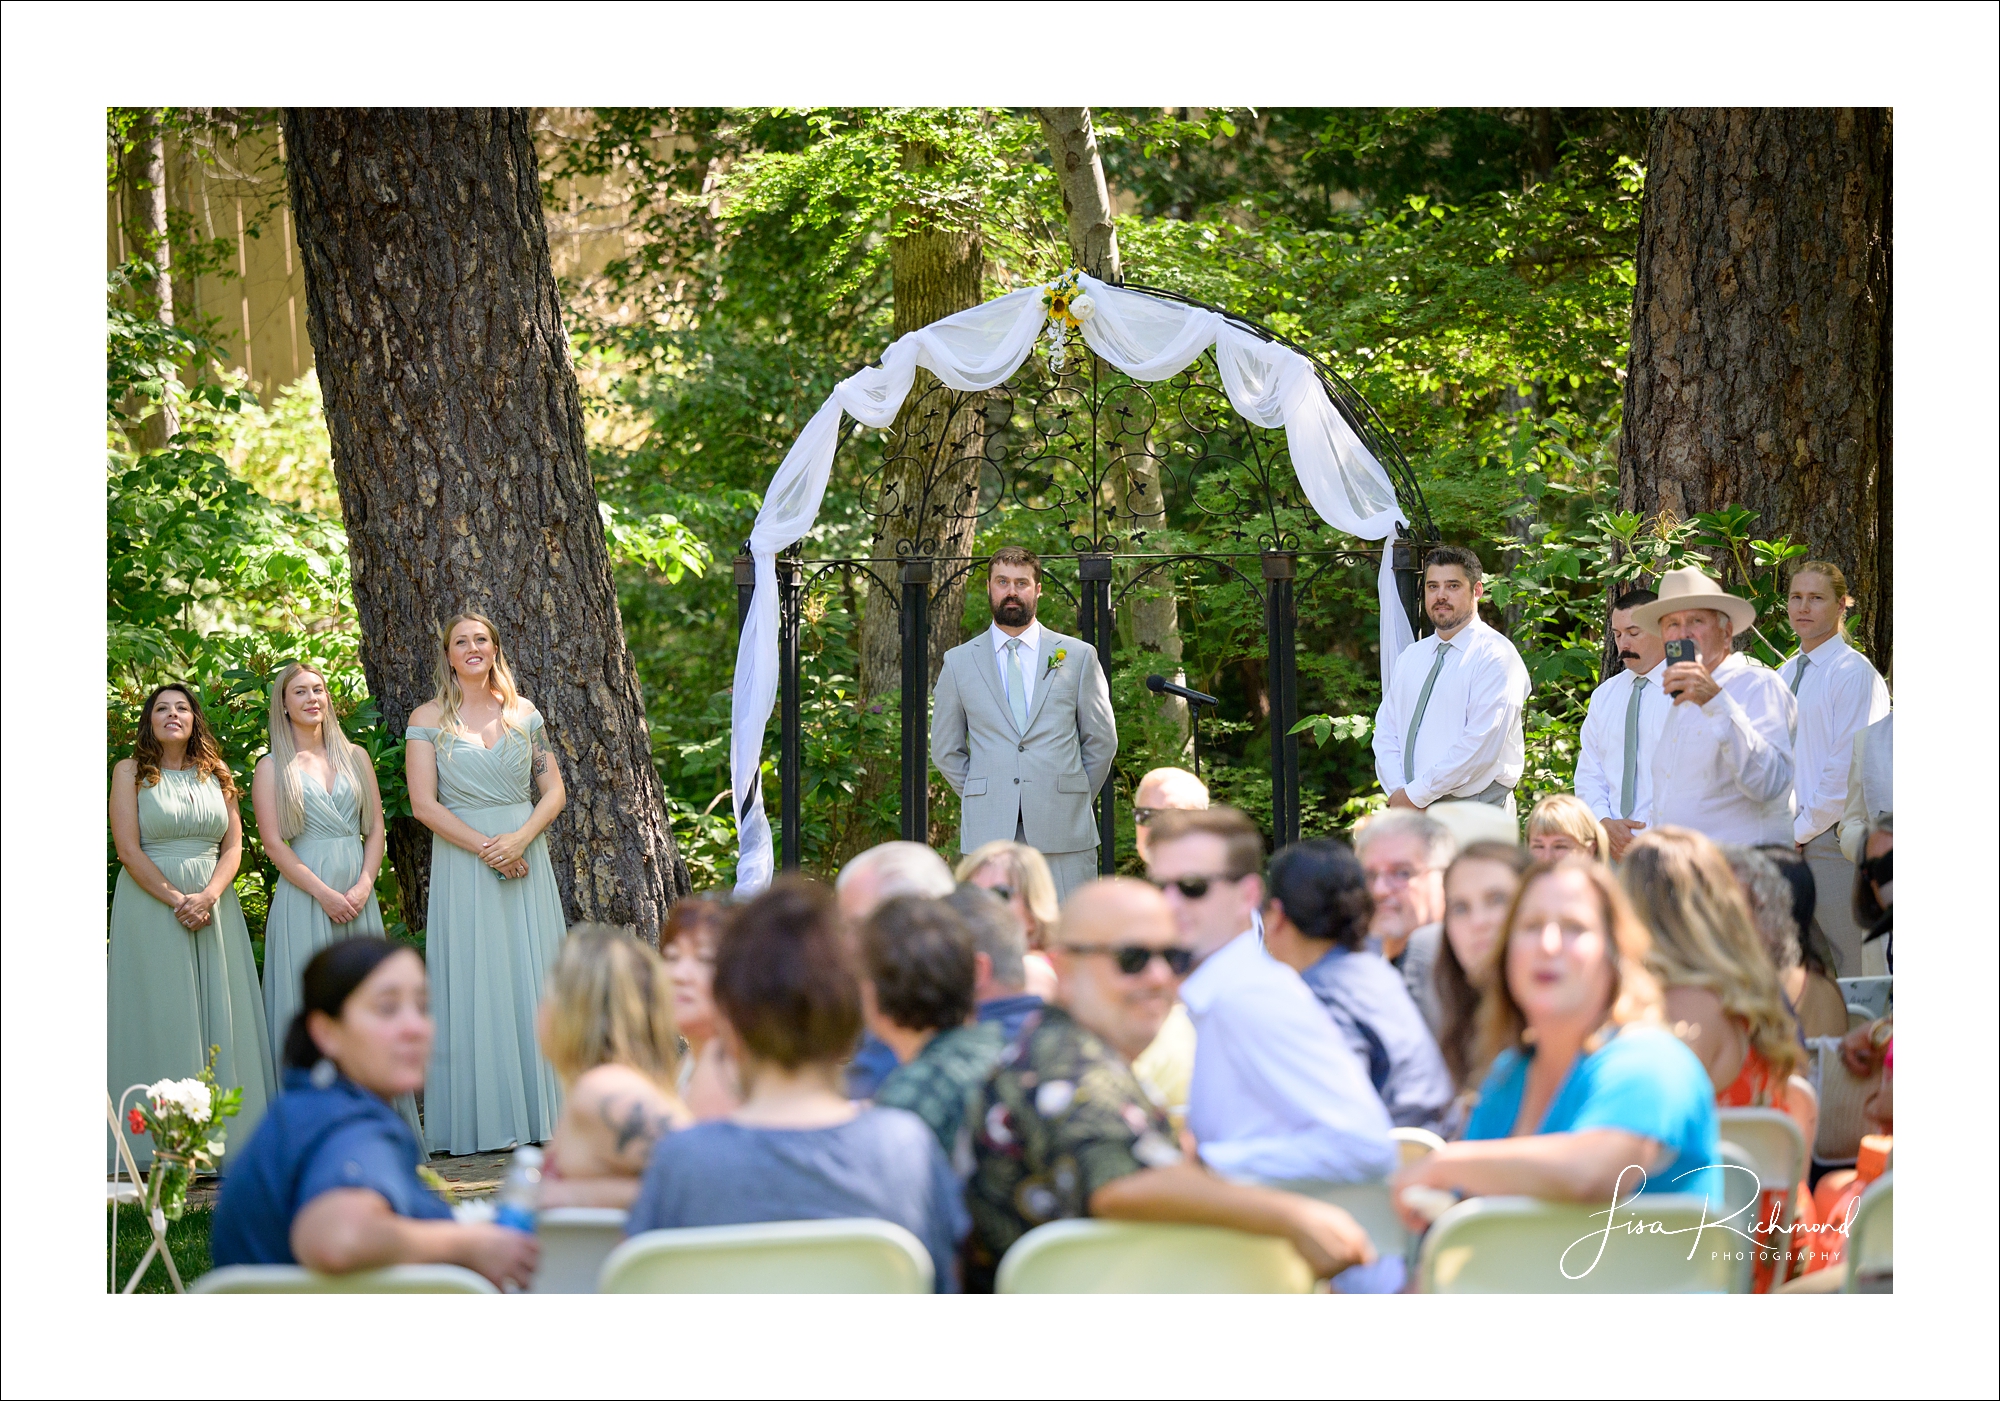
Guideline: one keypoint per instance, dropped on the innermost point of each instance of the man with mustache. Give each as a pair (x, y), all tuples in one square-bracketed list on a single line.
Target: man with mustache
[(1614, 762), (1450, 723), (1021, 727)]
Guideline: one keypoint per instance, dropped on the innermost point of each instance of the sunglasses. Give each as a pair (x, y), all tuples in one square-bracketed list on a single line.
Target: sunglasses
[(1193, 887), (1133, 958)]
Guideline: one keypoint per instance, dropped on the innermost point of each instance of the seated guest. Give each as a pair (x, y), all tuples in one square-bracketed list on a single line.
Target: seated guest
[(1277, 1093), (1722, 992), (921, 969), (1773, 901), (329, 1179), (607, 1027), (1404, 855), (1586, 1081), (1562, 824), (1315, 919), (707, 1081), (799, 1149), (879, 874), (1063, 1130), (1873, 910), (999, 944), (1478, 891), (1020, 875), (1813, 988), (1164, 790)]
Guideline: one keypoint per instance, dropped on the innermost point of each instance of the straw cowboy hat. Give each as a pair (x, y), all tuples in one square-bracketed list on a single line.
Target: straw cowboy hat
[(1682, 589)]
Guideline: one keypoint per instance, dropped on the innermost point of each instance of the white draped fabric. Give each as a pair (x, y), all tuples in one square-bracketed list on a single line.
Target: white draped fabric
[(1144, 337)]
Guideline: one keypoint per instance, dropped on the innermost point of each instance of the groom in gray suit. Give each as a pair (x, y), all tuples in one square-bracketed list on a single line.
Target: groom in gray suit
[(1022, 728)]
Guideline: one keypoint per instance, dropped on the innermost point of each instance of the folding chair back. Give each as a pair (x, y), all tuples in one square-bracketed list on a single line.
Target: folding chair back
[(576, 1241), (850, 1256), (1518, 1245), (1871, 1239), (1142, 1257), (291, 1279)]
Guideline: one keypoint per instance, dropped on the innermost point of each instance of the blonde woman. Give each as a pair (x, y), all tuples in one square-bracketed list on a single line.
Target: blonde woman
[(1562, 824), (1019, 874), (607, 1026), (1586, 1082), (477, 759), (319, 816), (181, 976)]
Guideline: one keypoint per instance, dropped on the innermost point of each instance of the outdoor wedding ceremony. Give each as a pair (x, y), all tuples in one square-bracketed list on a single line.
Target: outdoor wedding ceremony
[(1118, 700)]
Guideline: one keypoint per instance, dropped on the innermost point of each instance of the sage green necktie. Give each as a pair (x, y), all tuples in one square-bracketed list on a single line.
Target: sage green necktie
[(1799, 673), (1417, 720), (1628, 796), (1017, 686)]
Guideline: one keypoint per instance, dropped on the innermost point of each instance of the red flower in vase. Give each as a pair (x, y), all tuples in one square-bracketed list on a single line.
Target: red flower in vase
[(136, 1120)]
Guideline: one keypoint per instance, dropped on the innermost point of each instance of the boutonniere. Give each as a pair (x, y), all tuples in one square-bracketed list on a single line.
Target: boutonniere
[(1055, 661)]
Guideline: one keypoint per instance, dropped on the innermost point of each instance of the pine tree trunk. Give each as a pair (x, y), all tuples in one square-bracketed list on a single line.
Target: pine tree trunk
[(1152, 613), (458, 448), (1760, 369), (146, 230)]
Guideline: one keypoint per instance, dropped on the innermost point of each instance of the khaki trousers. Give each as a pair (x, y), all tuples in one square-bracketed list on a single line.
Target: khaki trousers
[(1833, 886)]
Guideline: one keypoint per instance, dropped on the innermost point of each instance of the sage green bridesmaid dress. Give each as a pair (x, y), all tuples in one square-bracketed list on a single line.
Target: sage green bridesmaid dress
[(174, 993), (489, 944), (331, 846)]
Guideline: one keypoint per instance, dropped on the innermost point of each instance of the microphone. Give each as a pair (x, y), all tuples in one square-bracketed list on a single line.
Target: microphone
[(1159, 685)]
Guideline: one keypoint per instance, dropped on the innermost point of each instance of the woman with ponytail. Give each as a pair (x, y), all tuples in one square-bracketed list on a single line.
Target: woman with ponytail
[(319, 816), (484, 780), (330, 1179), (182, 978)]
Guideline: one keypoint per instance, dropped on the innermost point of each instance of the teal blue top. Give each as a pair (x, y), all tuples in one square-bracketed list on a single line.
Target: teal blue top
[(1643, 1080)]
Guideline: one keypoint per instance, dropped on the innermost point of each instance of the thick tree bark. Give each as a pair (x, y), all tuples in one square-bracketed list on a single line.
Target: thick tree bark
[(458, 447), (927, 495), (146, 230), (1760, 369), (1152, 614)]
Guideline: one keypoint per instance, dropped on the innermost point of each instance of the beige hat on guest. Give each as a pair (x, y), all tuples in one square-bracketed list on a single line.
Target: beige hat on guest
[(1682, 589)]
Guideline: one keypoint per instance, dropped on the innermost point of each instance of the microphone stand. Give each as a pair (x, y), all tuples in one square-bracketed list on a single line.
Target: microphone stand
[(1194, 714)]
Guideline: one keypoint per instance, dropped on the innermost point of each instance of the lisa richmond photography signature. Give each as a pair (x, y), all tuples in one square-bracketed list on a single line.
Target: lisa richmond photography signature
[(1760, 1234)]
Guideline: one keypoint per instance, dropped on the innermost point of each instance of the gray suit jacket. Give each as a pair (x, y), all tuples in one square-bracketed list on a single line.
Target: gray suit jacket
[(1046, 777)]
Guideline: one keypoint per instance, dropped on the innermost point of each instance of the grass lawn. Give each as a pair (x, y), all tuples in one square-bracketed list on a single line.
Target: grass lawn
[(187, 1237)]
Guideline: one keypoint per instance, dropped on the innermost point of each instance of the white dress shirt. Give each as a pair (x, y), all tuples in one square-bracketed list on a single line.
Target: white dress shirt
[(1871, 783), (1277, 1093), (1725, 768), (1471, 732), (1031, 643), (1600, 759), (1840, 695)]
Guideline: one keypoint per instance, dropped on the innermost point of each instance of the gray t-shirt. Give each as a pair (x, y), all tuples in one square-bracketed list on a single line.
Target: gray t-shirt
[(883, 1163)]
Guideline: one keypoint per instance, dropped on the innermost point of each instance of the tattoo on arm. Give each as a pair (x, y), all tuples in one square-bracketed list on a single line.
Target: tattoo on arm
[(630, 1123)]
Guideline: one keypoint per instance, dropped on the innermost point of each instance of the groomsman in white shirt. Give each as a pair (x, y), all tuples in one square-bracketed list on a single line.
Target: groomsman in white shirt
[(1723, 766), (1450, 725), (1614, 762), (1839, 695)]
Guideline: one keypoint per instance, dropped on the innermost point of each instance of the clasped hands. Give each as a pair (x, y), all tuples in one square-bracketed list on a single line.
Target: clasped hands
[(505, 854), (343, 907), (194, 911)]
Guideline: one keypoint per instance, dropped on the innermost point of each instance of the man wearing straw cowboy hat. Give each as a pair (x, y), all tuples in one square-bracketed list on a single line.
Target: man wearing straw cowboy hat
[(1723, 766)]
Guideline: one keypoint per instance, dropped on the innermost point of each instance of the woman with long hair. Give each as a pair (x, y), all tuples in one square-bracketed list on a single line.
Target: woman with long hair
[(331, 1179), (182, 978), (1478, 891), (1020, 875), (478, 757), (1723, 996), (319, 816), (1586, 1081), (607, 1026), (707, 1080)]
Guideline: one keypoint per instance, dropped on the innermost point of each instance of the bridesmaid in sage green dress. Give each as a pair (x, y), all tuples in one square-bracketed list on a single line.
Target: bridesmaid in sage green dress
[(476, 756), (181, 975), (319, 817)]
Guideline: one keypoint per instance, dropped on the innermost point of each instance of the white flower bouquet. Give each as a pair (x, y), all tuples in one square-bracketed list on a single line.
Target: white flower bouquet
[(184, 1119)]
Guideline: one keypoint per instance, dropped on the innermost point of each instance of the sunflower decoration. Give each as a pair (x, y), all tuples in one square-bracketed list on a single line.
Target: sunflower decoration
[(1069, 306)]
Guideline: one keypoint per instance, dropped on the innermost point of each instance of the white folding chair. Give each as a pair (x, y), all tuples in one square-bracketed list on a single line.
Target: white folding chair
[(1518, 1245), (1145, 1257), (1777, 1150), (293, 1279), (1367, 1202), (1872, 996), (1412, 1144), (1871, 1240), (850, 1256), (134, 1193), (575, 1241)]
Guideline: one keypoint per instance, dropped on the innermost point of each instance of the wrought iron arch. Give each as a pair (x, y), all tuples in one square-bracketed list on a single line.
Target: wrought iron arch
[(1055, 446)]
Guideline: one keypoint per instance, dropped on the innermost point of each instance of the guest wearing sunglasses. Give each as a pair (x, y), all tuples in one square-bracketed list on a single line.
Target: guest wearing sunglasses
[(1164, 790), (1062, 1129), (1277, 1093)]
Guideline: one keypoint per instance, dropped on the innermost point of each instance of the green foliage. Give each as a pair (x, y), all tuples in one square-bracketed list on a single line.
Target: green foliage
[(188, 1238)]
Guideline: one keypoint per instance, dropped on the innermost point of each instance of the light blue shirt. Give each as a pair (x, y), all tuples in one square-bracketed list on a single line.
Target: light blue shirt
[(1644, 1081), (1031, 644)]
